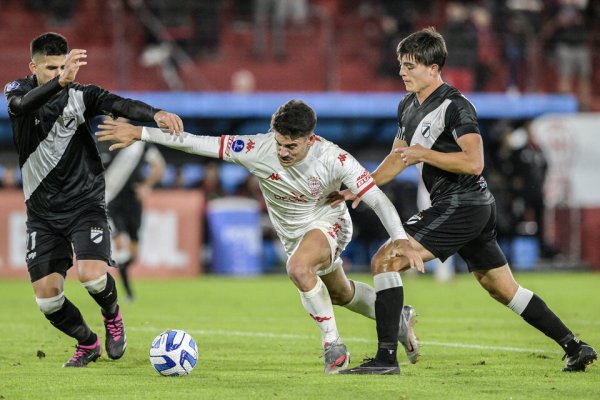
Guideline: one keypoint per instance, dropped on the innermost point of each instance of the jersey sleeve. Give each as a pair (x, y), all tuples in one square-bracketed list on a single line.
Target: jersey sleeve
[(245, 150), (461, 117), (207, 146), (356, 177), (102, 102), (23, 99), (359, 181)]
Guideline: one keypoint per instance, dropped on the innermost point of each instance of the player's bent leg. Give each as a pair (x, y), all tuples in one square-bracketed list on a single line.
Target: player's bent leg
[(312, 252), (67, 318), (104, 291), (500, 284), (388, 312), (341, 289)]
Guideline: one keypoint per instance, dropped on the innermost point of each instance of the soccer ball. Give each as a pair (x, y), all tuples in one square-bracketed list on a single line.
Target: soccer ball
[(173, 353)]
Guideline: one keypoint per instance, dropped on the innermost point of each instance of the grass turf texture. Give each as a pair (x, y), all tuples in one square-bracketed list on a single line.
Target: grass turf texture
[(256, 342)]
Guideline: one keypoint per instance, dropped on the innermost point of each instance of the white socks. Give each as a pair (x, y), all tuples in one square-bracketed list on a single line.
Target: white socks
[(363, 301), (318, 305)]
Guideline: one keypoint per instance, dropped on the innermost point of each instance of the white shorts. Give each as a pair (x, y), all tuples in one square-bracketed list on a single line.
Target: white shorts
[(338, 233)]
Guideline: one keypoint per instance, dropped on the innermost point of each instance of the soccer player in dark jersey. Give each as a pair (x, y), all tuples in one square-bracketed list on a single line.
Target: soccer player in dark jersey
[(438, 132), (63, 183), (126, 188)]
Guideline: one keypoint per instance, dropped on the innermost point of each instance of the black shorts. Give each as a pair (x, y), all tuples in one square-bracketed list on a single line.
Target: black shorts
[(446, 229), (126, 217), (50, 244)]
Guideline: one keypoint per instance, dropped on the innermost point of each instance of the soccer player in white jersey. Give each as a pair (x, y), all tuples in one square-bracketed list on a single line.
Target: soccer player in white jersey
[(296, 170)]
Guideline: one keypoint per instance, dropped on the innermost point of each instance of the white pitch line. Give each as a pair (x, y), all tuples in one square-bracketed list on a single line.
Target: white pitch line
[(346, 339)]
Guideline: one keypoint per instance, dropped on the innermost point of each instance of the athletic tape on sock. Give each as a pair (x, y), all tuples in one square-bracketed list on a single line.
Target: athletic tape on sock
[(51, 304), (521, 299), (96, 285), (387, 280)]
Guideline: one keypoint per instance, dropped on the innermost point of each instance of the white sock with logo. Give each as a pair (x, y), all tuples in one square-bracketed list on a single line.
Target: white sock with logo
[(318, 305)]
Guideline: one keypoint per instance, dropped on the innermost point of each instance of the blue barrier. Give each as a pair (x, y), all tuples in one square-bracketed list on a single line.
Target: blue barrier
[(337, 104)]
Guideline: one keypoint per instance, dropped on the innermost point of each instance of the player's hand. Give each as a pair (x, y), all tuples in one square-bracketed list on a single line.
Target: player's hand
[(404, 248), (75, 59), (411, 155), (118, 131), (337, 197), (169, 121)]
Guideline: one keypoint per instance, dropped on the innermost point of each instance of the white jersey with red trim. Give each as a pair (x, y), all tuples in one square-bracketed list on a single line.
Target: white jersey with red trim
[(295, 195)]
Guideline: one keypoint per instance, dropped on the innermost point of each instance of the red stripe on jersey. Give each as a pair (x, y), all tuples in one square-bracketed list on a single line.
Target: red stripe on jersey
[(369, 186), (221, 146)]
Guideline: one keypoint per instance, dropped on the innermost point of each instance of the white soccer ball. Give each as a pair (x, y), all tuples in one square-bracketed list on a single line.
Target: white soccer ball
[(173, 353)]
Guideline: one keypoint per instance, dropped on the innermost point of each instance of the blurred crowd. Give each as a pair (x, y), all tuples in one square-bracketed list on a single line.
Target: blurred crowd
[(513, 45), (514, 42), (516, 173)]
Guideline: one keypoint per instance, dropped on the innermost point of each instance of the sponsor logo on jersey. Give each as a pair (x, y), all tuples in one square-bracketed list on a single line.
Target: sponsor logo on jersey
[(11, 86), (250, 145), (292, 198), (342, 157), (426, 129), (238, 145), (96, 235), (314, 185), (363, 178), (274, 177), (414, 219)]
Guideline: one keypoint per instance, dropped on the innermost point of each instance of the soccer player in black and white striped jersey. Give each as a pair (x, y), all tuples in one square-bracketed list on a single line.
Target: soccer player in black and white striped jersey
[(63, 183), (438, 132)]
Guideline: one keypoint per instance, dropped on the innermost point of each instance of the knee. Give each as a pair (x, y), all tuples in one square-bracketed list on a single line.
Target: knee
[(298, 272), (381, 262), (499, 293)]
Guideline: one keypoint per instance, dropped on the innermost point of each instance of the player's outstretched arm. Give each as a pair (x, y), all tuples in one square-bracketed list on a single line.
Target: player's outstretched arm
[(124, 134), (120, 132)]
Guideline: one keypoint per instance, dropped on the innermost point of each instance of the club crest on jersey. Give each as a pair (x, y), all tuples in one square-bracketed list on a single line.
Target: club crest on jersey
[(314, 185), (426, 129), (96, 235), (11, 86), (414, 219), (238, 145)]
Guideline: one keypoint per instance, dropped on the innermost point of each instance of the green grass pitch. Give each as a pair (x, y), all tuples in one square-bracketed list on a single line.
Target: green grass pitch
[(256, 342)]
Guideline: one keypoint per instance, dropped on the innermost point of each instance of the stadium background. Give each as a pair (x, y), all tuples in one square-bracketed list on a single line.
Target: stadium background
[(199, 59)]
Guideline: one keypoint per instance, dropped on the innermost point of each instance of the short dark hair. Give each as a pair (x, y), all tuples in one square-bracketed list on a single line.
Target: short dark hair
[(295, 119), (426, 47), (49, 44)]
